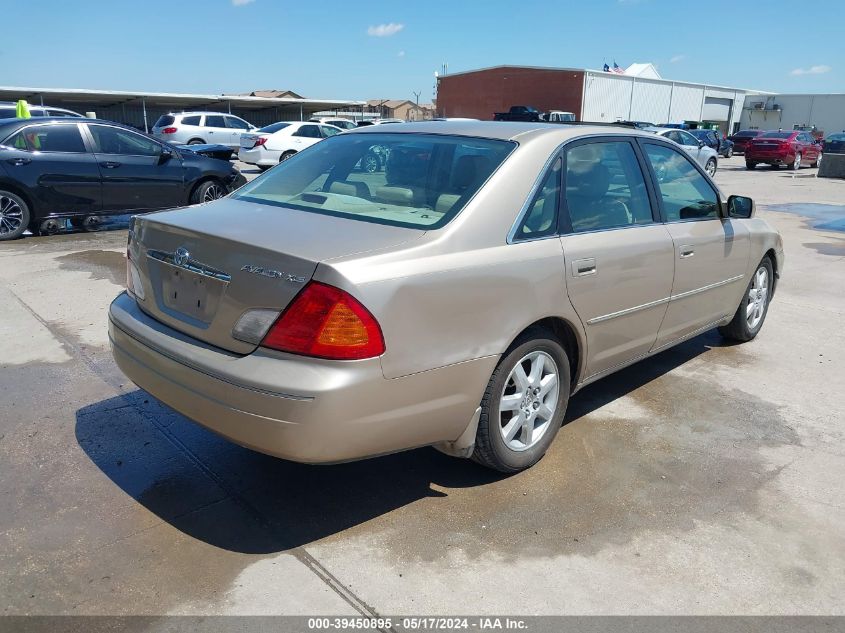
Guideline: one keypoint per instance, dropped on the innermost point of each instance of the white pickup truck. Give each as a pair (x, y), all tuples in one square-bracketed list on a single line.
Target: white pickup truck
[(557, 116)]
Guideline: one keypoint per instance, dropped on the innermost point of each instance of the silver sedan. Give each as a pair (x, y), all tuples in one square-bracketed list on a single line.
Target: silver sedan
[(704, 155)]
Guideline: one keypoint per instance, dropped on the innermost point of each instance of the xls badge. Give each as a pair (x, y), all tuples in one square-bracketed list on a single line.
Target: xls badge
[(273, 274)]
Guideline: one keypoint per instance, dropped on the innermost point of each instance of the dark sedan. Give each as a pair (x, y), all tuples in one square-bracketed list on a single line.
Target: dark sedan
[(56, 168), (743, 138), (835, 144), (714, 139)]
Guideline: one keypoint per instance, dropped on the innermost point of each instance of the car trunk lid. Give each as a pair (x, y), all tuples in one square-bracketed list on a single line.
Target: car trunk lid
[(203, 267)]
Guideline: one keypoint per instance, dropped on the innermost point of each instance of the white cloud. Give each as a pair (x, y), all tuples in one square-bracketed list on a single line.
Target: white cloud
[(401, 54), (677, 58), (384, 30), (240, 3), (812, 70)]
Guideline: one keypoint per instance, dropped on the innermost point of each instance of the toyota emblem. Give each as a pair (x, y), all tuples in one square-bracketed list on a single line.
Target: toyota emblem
[(181, 256)]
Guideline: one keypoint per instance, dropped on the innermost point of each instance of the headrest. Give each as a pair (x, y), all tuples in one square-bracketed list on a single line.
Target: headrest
[(588, 180), (468, 170)]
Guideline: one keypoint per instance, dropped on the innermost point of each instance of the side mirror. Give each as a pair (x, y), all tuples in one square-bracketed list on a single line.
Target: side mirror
[(700, 144), (165, 156), (740, 207)]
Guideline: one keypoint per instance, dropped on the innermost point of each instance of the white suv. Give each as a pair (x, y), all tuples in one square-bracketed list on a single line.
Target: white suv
[(192, 128)]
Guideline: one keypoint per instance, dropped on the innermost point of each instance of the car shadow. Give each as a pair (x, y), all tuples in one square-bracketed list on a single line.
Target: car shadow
[(243, 501)]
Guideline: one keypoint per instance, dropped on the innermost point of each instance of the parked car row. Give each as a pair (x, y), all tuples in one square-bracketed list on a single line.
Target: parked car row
[(57, 169)]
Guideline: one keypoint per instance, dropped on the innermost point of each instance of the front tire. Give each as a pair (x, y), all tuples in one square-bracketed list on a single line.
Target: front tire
[(795, 165), (14, 216), (818, 161), (750, 164), (524, 404), (208, 191), (752, 310)]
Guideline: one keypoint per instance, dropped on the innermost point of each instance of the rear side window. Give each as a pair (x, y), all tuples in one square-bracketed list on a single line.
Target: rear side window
[(274, 127), (48, 138), (214, 121), (189, 120), (413, 180), (686, 194), (309, 131), (605, 187), (164, 120), (328, 131), (7, 113), (541, 219)]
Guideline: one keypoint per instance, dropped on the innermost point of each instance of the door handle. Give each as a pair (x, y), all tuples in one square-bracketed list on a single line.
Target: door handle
[(584, 267), (109, 164), (17, 162), (685, 252)]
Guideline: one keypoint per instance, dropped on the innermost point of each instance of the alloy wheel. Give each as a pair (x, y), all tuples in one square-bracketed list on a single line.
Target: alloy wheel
[(11, 215), (757, 295), (528, 401), (710, 168), (797, 164), (213, 192)]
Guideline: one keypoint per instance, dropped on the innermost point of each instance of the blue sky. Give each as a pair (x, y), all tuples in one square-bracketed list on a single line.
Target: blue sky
[(375, 49)]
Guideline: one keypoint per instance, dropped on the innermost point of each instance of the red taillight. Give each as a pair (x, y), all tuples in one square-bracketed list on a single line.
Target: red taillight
[(260, 140), (169, 130), (326, 322)]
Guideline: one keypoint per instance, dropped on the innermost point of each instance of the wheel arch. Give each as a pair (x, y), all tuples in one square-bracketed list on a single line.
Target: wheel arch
[(567, 335)]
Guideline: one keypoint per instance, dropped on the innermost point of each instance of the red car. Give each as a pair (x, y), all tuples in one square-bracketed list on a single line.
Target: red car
[(792, 149), (742, 138)]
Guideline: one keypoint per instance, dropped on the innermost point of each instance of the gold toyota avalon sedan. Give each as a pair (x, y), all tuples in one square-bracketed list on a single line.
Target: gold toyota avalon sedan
[(454, 292)]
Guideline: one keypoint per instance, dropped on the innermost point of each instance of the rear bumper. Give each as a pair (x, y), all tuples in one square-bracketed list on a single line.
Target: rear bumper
[(305, 410), (257, 157), (774, 158)]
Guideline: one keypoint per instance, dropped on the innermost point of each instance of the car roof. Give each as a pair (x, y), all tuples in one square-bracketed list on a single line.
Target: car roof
[(43, 120), (200, 112), (661, 130), (498, 130)]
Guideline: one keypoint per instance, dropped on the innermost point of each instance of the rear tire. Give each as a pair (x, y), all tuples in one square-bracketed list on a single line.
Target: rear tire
[(286, 155), (524, 404), (750, 164), (729, 153), (710, 167), (14, 216), (196, 141), (751, 313), (817, 162)]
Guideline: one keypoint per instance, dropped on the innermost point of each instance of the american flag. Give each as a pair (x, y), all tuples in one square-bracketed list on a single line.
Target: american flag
[(616, 69)]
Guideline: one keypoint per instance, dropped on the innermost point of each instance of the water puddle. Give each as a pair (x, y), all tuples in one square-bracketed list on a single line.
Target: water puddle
[(827, 217)]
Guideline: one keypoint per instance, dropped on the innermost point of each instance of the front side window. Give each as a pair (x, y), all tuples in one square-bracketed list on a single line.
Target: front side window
[(411, 180), (236, 123), (113, 140), (686, 194), (48, 138), (214, 120), (605, 187), (688, 139), (541, 219)]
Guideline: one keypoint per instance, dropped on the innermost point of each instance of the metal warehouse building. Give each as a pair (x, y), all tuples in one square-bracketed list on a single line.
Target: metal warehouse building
[(824, 114), (141, 109), (591, 95)]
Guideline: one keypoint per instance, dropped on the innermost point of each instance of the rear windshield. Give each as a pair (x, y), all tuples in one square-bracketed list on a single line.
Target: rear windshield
[(411, 180), (775, 135), (164, 119), (273, 127), (746, 133)]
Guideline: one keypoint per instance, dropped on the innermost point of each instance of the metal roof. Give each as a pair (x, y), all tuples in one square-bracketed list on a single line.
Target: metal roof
[(117, 97)]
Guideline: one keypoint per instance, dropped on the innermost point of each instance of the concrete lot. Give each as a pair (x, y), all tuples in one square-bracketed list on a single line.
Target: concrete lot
[(705, 480)]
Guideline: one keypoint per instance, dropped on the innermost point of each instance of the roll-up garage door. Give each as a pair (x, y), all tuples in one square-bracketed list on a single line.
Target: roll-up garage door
[(716, 109)]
